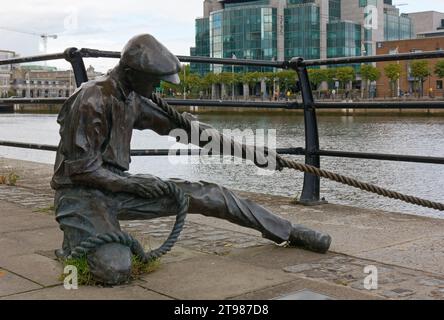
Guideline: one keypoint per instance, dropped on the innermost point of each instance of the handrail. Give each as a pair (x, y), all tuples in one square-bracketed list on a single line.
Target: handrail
[(94, 53), (289, 105), (286, 151)]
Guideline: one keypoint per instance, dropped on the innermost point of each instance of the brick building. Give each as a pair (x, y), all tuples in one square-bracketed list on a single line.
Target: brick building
[(5, 73), (406, 82), (45, 82)]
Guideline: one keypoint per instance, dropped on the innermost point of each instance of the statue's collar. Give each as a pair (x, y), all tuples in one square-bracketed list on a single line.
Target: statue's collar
[(118, 83)]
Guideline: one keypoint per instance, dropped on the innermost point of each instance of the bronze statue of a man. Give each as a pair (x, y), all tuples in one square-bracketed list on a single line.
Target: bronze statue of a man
[(94, 190)]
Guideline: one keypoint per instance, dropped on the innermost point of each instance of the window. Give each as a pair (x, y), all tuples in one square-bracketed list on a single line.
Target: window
[(439, 84)]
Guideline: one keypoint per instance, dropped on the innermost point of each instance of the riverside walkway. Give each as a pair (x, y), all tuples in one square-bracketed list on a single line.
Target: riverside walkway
[(218, 260)]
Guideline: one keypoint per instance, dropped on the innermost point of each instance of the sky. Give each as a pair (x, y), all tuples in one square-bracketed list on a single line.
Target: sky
[(109, 24)]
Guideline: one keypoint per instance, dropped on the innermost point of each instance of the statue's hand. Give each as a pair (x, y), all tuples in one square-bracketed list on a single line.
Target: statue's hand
[(146, 186)]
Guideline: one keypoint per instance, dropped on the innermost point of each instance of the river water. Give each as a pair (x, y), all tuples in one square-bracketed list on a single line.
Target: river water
[(382, 134)]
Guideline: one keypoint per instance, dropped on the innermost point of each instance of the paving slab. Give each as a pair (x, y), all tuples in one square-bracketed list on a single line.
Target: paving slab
[(425, 254), (276, 257), (14, 218), (177, 254), (11, 284), (215, 259), (211, 278), (34, 240), (334, 291), (130, 292), (354, 230), (392, 282), (38, 268), (304, 295), (11, 247)]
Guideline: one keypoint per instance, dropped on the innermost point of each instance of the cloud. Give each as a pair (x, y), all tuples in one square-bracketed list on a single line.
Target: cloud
[(98, 24), (108, 24)]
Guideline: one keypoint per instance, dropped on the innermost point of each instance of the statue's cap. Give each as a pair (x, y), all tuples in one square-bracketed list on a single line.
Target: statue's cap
[(145, 54)]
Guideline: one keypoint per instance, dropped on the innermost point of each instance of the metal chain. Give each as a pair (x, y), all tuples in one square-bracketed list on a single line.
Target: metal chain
[(92, 243), (287, 163)]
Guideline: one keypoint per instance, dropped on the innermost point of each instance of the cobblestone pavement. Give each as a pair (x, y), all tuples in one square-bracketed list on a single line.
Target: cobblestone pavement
[(26, 197), (195, 236), (394, 281), (34, 192)]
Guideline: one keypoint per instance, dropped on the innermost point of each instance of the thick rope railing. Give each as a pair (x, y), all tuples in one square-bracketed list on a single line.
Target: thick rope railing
[(185, 124), (92, 243)]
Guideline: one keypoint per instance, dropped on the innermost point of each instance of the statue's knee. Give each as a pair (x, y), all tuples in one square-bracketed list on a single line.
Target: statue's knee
[(213, 186), (111, 264)]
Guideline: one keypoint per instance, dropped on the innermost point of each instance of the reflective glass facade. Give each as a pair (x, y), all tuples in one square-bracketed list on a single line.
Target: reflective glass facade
[(268, 29), (343, 39), (247, 32), (302, 31), (202, 47), (334, 10), (397, 27)]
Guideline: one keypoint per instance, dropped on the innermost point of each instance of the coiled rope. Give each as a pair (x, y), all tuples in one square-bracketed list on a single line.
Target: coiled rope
[(185, 124), (92, 243)]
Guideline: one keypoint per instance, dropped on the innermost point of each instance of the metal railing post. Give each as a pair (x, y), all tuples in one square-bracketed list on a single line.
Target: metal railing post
[(75, 58), (311, 188)]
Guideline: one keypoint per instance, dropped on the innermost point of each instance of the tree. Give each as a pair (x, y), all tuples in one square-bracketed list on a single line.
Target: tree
[(270, 80), (11, 93), (439, 69), (317, 76), (287, 79), (194, 84), (169, 88), (420, 70), (250, 78), (209, 80), (227, 79), (345, 75), (393, 72), (369, 74)]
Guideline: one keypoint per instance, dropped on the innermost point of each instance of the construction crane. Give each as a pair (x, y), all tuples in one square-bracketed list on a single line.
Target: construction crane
[(43, 36)]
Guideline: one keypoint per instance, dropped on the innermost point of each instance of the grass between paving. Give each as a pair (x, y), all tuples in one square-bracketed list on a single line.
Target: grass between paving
[(85, 278), (47, 210)]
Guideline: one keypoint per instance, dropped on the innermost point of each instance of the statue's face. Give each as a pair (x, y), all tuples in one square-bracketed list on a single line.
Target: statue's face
[(141, 83)]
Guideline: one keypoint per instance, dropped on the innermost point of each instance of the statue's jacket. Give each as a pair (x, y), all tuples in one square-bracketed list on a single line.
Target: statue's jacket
[(96, 125)]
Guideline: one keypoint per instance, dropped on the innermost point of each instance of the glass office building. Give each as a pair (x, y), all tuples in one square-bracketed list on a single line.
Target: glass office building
[(282, 29), (244, 32), (397, 27), (343, 39), (202, 48), (334, 10), (302, 31)]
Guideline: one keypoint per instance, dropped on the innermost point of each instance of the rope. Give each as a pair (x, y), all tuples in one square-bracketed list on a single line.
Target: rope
[(92, 243), (184, 123)]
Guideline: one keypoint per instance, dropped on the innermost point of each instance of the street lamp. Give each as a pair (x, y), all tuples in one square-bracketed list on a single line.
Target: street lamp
[(274, 78), (363, 54), (184, 82), (232, 73), (398, 89)]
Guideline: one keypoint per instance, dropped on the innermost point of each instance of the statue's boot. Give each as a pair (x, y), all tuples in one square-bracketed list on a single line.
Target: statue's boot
[(309, 239), (111, 264)]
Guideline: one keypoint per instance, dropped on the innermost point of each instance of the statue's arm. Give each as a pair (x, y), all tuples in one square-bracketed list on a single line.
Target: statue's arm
[(101, 178), (83, 142)]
